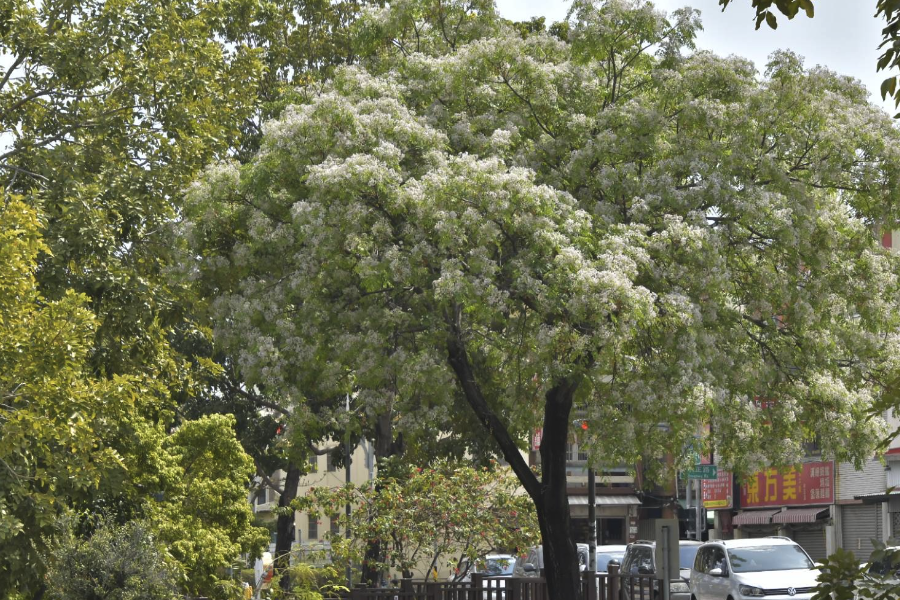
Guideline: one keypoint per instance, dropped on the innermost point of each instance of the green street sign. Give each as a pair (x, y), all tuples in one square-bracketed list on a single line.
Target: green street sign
[(703, 472)]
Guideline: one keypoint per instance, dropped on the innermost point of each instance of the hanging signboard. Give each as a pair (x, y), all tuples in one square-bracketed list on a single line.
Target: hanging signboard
[(718, 493), (813, 483)]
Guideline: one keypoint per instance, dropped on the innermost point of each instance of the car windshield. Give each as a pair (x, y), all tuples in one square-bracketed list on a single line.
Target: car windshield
[(499, 566), (783, 557), (686, 555), (604, 557)]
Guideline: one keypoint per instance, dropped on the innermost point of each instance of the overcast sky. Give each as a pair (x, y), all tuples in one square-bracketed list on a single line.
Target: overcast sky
[(844, 35)]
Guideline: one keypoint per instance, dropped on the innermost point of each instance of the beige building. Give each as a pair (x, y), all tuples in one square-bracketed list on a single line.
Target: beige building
[(309, 534)]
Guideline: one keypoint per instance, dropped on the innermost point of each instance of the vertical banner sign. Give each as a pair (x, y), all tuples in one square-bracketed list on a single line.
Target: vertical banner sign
[(717, 493), (813, 483), (536, 439)]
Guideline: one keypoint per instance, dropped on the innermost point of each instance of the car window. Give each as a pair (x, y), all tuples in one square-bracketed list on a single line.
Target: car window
[(717, 559), (604, 558), (686, 555), (783, 557), (642, 562), (700, 561), (497, 566)]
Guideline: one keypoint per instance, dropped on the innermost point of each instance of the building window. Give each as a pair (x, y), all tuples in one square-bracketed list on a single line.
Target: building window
[(313, 464), (574, 454), (335, 527), (331, 465), (313, 533), (261, 496)]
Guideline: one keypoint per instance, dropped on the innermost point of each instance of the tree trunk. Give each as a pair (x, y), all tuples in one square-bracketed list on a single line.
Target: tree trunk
[(560, 553), (385, 447), (285, 526), (549, 495)]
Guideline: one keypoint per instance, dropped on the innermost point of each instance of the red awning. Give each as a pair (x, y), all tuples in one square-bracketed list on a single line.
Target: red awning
[(799, 515), (754, 517)]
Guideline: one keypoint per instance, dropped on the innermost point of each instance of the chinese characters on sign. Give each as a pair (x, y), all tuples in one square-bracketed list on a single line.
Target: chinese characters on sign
[(812, 484), (717, 492), (536, 439)]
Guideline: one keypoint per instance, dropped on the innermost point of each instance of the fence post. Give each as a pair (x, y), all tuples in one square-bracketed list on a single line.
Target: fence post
[(614, 580), (476, 591), (512, 588), (590, 582)]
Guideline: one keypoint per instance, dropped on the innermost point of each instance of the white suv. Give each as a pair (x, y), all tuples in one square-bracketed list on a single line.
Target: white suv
[(775, 568)]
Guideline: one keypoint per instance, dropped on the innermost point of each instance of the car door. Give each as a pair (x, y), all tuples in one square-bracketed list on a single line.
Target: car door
[(640, 565), (719, 586), (699, 574)]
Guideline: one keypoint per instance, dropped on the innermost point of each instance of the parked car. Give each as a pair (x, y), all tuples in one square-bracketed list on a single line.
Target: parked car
[(492, 565), (640, 559), (774, 568), (531, 564), (607, 554), (880, 574)]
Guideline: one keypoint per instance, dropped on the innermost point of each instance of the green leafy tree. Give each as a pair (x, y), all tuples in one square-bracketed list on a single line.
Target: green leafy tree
[(202, 516), (522, 225), (889, 10), (109, 109), (56, 416), (116, 562), (428, 516)]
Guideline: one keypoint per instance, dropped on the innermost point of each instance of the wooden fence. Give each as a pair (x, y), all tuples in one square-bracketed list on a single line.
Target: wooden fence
[(595, 586)]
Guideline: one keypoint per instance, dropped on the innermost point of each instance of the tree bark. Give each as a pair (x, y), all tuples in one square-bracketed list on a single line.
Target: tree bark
[(385, 446), (285, 526), (549, 494), (560, 553)]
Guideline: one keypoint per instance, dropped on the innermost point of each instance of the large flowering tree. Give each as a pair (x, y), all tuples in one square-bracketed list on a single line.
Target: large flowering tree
[(520, 224)]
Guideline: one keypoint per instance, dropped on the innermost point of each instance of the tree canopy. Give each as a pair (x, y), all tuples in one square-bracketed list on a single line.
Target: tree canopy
[(528, 223)]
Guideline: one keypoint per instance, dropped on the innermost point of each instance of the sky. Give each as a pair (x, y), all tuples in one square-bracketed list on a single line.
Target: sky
[(843, 36)]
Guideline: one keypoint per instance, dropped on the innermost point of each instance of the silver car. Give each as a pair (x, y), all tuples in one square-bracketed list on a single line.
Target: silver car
[(775, 568)]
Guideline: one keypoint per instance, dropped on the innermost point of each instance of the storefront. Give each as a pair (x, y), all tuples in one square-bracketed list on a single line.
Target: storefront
[(616, 518), (796, 503)]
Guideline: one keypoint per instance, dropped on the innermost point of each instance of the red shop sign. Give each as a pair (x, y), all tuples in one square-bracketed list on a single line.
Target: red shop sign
[(812, 484), (717, 493)]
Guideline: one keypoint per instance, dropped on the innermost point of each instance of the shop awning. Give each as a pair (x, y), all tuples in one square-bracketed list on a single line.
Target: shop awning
[(604, 500), (878, 496), (799, 515), (754, 517)]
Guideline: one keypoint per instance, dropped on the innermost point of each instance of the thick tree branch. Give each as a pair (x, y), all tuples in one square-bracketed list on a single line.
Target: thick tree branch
[(459, 361)]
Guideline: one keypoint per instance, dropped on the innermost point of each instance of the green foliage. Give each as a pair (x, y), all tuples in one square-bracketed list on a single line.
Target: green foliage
[(202, 515), (56, 417), (116, 562), (308, 582), (428, 516), (843, 578)]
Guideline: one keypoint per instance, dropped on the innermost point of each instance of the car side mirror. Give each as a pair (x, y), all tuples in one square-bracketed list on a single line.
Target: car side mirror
[(717, 572), (528, 568)]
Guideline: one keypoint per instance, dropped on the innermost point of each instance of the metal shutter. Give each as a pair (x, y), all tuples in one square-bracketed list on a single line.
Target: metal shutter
[(813, 541), (859, 526)]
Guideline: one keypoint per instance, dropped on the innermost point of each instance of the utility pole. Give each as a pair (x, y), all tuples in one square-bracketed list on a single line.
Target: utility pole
[(699, 510), (592, 519), (347, 479)]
